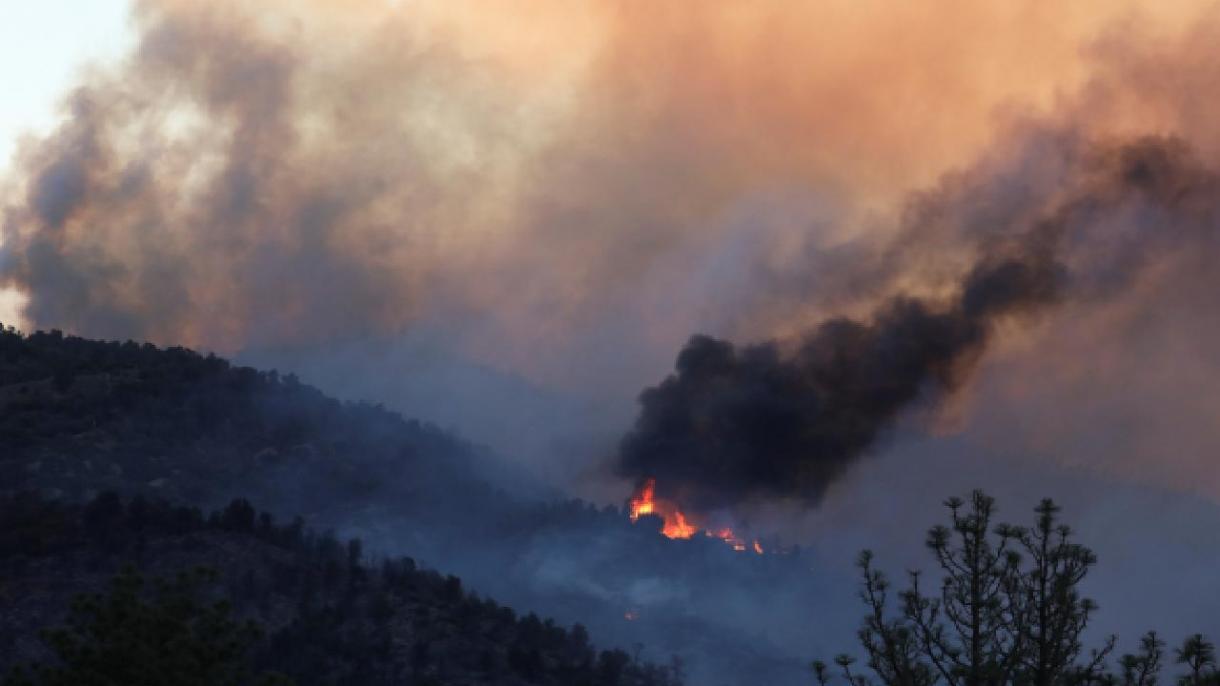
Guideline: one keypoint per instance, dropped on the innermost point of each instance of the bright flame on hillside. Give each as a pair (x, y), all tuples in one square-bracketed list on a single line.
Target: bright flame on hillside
[(645, 503), (675, 525)]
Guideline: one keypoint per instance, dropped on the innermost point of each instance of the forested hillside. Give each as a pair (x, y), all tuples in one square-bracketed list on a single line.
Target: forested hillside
[(326, 612), (80, 417)]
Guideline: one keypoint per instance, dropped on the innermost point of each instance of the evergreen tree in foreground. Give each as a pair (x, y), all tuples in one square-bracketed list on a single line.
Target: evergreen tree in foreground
[(1007, 610)]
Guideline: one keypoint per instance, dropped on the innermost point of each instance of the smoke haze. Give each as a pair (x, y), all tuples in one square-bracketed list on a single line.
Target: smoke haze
[(730, 425), (553, 201)]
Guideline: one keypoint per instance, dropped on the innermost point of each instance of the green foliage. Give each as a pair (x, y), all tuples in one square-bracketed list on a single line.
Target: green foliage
[(168, 635), (1007, 610)]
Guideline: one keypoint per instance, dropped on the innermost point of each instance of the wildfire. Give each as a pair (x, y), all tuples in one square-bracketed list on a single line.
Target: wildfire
[(645, 503), (734, 541), (675, 524)]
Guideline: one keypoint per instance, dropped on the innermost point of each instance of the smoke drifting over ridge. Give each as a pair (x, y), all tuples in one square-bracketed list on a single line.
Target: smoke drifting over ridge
[(731, 425), (568, 193)]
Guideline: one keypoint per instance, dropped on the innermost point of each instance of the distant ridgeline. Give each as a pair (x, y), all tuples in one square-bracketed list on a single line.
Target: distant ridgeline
[(79, 416)]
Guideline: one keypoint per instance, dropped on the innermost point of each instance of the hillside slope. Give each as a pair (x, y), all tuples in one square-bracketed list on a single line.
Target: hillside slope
[(331, 615), (78, 416), (81, 416)]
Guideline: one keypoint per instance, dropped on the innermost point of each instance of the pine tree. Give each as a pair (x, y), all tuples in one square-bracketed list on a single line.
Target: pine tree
[(1008, 610), (1199, 656)]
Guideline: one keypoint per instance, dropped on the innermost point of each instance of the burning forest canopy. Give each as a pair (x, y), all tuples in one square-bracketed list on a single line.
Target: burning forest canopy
[(703, 262)]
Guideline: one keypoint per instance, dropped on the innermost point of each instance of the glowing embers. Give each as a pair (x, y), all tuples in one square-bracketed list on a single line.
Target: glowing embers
[(734, 541), (674, 522)]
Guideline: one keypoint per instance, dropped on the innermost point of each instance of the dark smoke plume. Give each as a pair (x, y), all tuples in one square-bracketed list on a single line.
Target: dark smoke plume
[(562, 195), (732, 424)]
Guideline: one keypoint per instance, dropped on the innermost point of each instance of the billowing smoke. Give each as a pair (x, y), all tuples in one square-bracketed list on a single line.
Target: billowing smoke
[(210, 191), (297, 173), (731, 425), (548, 202), (754, 422)]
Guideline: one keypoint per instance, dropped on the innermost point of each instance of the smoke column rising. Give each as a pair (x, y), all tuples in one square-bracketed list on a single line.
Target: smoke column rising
[(567, 193), (733, 425)]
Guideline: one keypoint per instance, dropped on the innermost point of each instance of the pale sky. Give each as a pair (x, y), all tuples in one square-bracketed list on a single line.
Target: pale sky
[(43, 44)]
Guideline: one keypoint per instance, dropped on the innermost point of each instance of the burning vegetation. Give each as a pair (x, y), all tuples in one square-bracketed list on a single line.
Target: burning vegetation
[(675, 523), (645, 502)]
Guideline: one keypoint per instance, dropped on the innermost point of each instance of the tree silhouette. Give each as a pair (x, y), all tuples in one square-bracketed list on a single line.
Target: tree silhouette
[(1007, 610), (1199, 656)]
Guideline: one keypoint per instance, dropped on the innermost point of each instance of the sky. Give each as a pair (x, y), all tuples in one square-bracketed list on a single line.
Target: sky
[(43, 48)]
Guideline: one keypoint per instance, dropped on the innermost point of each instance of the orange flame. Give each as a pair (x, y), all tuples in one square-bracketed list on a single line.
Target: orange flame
[(642, 502), (645, 503), (726, 534), (675, 525)]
